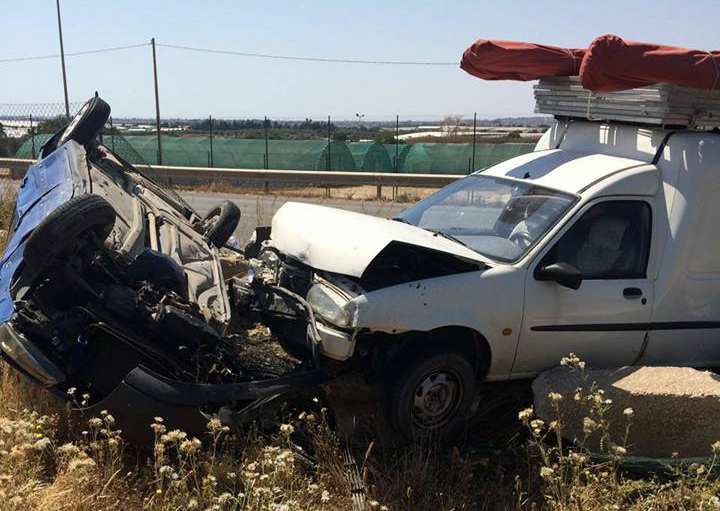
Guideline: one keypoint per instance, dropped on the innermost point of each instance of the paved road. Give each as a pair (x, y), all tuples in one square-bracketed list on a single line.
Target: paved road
[(259, 209)]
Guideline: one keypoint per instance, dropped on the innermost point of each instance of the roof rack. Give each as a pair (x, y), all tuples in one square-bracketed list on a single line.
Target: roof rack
[(662, 104)]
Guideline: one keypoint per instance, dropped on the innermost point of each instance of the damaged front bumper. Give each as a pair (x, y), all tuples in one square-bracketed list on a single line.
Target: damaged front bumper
[(143, 395), (293, 321)]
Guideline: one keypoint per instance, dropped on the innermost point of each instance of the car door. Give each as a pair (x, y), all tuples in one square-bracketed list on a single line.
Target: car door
[(605, 320)]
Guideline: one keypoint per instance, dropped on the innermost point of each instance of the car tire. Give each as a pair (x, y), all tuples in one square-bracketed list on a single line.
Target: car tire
[(83, 219), (220, 223), (431, 396), (88, 122)]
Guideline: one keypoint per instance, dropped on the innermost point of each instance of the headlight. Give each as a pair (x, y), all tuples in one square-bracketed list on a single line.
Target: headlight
[(329, 305)]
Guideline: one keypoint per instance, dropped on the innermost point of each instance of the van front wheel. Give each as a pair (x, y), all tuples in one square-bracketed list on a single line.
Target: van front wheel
[(432, 396)]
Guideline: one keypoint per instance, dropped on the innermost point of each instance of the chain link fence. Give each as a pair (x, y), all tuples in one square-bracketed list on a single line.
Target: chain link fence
[(456, 147)]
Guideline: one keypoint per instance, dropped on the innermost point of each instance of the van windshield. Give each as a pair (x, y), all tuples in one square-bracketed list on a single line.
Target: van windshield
[(497, 217)]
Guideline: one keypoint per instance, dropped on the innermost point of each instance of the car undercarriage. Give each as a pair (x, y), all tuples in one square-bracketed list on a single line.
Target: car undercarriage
[(112, 288)]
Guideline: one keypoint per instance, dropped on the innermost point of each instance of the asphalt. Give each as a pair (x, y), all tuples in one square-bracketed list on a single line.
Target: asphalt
[(259, 209)]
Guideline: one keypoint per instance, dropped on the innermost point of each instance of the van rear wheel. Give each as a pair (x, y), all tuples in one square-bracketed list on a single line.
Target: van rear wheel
[(432, 396)]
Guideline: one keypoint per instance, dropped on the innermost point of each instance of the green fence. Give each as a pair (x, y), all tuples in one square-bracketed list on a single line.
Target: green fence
[(201, 151)]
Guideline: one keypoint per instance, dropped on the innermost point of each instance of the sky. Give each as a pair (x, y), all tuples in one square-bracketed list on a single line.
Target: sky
[(197, 84)]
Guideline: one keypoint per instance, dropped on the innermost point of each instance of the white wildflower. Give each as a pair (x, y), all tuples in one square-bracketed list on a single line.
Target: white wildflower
[(42, 444), (555, 397), (526, 414), (546, 472), (589, 425), (618, 450)]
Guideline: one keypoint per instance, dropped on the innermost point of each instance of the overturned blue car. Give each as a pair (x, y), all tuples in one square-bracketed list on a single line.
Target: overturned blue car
[(111, 285)]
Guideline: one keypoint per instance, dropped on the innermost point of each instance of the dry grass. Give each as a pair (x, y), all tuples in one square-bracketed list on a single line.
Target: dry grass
[(49, 462), (43, 466)]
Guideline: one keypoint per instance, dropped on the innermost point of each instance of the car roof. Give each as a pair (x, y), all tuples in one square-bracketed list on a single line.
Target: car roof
[(564, 170)]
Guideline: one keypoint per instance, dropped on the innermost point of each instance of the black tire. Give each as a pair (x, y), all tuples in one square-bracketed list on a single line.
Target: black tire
[(405, 386), (87, 123), (220, 223), (81, 220)]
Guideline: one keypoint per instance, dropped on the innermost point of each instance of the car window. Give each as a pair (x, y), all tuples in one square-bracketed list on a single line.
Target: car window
[(497, 217), (610, 241)]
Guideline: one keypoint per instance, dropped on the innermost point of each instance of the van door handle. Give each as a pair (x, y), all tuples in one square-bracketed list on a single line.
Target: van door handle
[(632, 292)]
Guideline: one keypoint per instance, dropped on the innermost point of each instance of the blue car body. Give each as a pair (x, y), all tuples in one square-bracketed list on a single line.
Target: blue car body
[(48, 184)]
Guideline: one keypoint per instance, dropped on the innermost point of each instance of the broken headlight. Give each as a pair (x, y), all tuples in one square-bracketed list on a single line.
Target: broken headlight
[(329, 305)]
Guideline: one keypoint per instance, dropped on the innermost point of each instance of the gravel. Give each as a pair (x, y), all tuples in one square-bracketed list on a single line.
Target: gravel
[(675, 409)]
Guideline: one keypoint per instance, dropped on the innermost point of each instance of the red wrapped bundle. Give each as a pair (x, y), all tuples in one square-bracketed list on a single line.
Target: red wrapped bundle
[(510, 60), (613, 64)]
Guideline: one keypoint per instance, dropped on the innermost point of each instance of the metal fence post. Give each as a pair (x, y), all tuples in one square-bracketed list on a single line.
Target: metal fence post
[(267, 153), (212, 158), (32, 136), (329, 165), (397, 141), (397, 152), (112, 136), (472, 168)]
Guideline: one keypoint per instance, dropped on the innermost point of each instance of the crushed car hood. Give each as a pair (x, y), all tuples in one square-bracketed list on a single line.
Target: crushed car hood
[(346, 242)]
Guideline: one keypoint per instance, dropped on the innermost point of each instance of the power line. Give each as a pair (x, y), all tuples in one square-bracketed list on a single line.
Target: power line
[(307, 59), (236, 54), (73, 54)]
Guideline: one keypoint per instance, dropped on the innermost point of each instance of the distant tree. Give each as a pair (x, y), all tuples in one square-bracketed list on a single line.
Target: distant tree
[(451, 124), (386, 137), (51, 125), (340, 136), (8, 145)]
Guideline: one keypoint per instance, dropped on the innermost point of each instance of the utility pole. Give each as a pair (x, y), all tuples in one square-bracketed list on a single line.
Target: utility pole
[(62, 61), (157, 104)]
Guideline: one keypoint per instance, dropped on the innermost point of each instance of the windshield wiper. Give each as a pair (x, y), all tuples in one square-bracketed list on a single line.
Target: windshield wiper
[(435, 232), (450, 237)]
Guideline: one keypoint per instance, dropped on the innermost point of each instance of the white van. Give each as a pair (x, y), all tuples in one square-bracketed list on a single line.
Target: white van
[(601, 243)]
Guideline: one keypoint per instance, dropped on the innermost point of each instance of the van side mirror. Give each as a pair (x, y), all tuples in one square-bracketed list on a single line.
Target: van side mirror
[(563, 273)]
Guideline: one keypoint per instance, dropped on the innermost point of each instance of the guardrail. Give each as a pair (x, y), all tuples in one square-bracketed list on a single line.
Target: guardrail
[(267, 178)]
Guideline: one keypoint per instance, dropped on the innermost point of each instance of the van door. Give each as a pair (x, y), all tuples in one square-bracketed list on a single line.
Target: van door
[(605, 321)]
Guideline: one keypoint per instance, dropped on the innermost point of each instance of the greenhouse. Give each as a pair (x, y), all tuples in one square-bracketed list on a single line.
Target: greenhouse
[(400, 151), (435, 158), (370, 156), (246, 154), (420, 158)]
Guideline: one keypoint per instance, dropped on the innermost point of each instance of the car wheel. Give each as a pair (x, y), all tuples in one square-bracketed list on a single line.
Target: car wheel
[(220, 223), (81, 220), (87, 123), (431, 396)]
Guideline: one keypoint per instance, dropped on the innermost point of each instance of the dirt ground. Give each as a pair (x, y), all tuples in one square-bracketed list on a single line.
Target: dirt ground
[(389, 193)]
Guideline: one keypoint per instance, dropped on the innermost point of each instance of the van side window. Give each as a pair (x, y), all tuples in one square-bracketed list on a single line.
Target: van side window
[(610, 241)]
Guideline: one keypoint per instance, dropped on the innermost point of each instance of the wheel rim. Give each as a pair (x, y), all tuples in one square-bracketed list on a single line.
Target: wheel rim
[(436, 399)]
